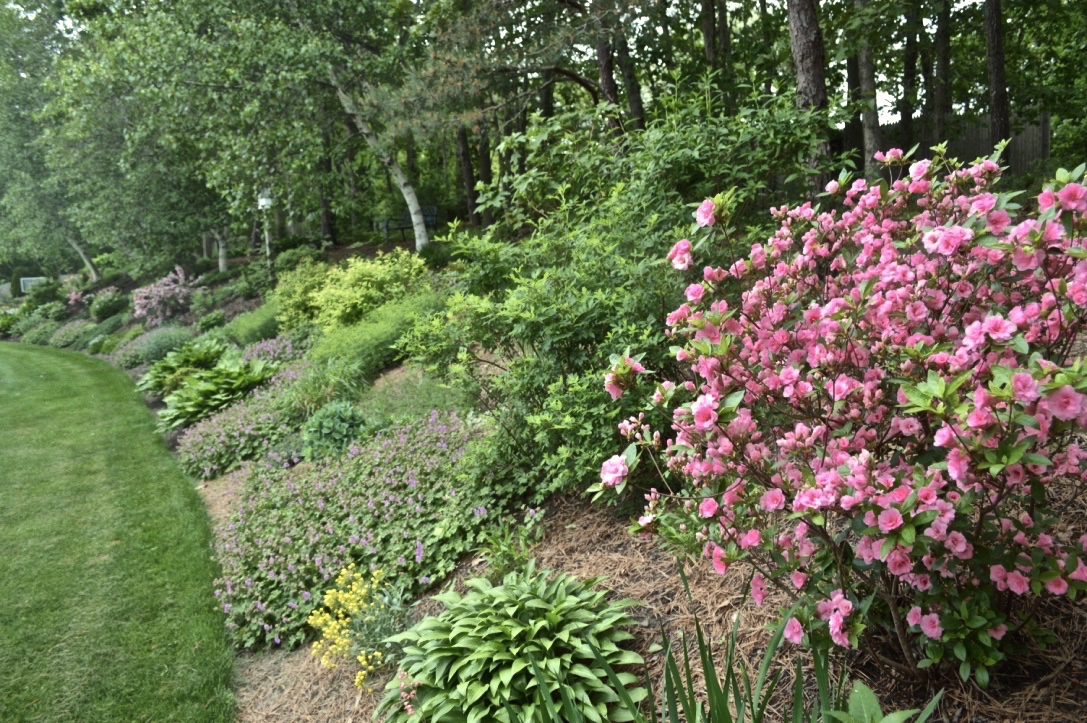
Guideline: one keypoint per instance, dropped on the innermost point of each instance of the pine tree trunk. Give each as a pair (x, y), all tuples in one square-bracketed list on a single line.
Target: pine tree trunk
[(707, 19), (866, 66), (911, 21), (999, 107), (464, 155), (630, 81), (605, 64), (806, 43), (941, 96)]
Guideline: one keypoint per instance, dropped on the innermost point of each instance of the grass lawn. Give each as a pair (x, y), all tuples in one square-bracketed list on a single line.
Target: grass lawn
[(106, 570)]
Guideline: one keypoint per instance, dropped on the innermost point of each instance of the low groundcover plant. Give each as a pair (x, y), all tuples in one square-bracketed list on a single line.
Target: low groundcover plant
[(882, 424)]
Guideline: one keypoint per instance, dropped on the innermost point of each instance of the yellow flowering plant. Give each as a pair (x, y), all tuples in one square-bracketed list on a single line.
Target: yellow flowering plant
[(354, 619)]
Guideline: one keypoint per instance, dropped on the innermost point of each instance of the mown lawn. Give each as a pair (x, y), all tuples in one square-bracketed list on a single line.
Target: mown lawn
[(106, 571)]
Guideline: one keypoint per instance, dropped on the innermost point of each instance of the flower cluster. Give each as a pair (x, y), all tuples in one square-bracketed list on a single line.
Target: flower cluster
[(881, 422), (166, 298), (277, 349)]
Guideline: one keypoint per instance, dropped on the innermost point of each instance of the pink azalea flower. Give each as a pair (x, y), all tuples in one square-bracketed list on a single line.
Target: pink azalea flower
[(998, 632), (913, 617), (1057, 586), (611, 385), (958, 465), (772, 500), (794, 631), (1018, 583), (704, 411), (680, 255), (798, 578), (1073, 197), (1024, 387), (720, 564), (758, 589), (889, 520), (704, 215), (614, 471), (1064, 403), (694, 293), (708, 508), (998, 328), (930, 626)]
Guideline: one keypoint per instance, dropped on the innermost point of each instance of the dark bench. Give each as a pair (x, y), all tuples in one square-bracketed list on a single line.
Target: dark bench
[(402, 224)]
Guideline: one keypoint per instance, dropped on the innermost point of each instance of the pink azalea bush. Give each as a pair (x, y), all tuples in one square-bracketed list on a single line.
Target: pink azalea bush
[(882, 422), (168, 297)]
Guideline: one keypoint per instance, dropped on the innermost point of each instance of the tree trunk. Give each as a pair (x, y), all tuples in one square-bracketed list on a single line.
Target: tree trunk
[(630, 81), (96, 276), (221, 242), (707, 19), (853, 133), (418, 222), (999, 107), (205, 246), (605, 63), (866, 65), (724, 35), (941, 95), (485, 175), (911, 22), (806, 43), (411, 154), (547, 94), (464, 155), (324, 167)]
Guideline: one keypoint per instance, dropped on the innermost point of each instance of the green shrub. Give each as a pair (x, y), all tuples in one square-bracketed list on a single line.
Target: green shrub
[(41, 334), (204, 391), (7, 321), (333, 427), (211, 320), (45, 292), (108, 302), (120, 339), (320, 384), (352, 291), (205, 300), (410, 394), (480, 658), (290, 259), (151, 346), (52, 310), (253, 326), (370, 345), (170, 372), (293, 294), (71, 333)]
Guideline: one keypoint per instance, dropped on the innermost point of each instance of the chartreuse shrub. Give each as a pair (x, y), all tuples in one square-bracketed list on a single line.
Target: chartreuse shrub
[(370, 344), (356, 619), (507, 650), (883, 420), (396, 502), (536, 321), (360, 285), (294, 293)]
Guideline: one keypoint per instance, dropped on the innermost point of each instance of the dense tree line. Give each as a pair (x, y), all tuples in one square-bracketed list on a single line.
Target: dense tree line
[(142, 131)]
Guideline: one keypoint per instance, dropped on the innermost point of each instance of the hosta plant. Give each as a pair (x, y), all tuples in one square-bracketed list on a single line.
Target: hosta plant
[(883, 423), (170, 372), (509, 649), (333, 427), (205, 391)]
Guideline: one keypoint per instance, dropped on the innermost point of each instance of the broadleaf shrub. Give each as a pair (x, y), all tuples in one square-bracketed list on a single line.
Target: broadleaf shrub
[(168, 297), (108, 302), (480, 657), (148, 347), (885, 421), (395, 502)]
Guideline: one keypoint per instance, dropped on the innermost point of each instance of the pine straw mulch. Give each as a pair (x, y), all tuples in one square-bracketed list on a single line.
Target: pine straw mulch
[(1041, 686)]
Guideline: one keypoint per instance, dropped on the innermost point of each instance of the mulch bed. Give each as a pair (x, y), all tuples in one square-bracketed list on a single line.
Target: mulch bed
[(1036, 686)]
